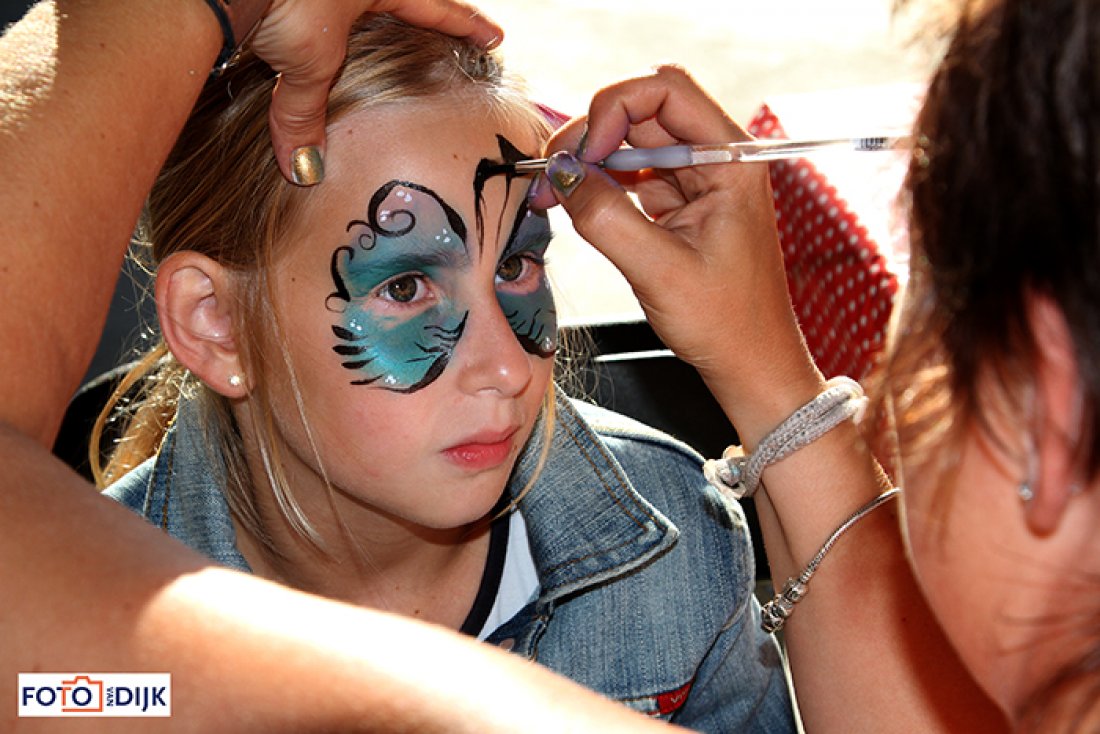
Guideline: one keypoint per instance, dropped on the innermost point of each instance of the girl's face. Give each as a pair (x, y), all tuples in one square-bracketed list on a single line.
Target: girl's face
[(417, 315)]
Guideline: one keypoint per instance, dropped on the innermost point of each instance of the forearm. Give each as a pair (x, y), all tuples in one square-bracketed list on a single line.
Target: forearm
[(866, 653), (101, 590), (95, 93)]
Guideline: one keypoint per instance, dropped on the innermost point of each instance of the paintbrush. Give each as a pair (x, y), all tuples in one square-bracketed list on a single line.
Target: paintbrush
[(749, 151)]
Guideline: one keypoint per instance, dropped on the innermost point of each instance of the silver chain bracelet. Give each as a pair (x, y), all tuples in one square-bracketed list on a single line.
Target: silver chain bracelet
[(775, 613)]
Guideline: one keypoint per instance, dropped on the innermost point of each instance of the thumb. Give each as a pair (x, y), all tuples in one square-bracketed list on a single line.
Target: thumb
[(297, 123), (307, 52), (607, 218)]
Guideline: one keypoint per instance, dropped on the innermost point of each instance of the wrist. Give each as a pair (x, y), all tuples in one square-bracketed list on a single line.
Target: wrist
[(238, 20), (756, 401)]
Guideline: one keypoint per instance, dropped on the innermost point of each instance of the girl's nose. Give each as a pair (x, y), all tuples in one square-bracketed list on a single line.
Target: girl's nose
[(489, 357)]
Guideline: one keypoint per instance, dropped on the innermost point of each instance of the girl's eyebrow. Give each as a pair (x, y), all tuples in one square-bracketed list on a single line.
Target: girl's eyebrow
[(523, 237), (441, 256)]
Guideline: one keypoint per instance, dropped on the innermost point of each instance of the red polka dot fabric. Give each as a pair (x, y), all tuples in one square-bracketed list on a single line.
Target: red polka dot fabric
[(840, 286)]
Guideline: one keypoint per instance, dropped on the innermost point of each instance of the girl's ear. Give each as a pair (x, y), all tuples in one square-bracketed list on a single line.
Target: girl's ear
[(195, 308), (1059, 390)]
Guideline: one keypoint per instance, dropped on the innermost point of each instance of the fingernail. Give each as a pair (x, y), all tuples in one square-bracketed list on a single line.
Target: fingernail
[(582, 144), (307, 166), (565, 172)]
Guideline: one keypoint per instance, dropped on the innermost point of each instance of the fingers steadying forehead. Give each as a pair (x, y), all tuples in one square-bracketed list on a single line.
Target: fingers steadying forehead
[(661, 108), (453, 17)]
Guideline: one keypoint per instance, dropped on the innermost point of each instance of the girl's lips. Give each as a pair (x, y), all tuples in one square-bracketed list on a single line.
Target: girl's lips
[(483, 451)]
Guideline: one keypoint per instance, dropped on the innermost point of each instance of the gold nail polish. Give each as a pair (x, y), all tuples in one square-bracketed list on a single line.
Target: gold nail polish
[(565, 172), (566, 181), (307, 167)]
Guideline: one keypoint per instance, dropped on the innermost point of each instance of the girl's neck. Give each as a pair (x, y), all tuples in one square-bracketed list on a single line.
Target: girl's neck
[(371, 560)]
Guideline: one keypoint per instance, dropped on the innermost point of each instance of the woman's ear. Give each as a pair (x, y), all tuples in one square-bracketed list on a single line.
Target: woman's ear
[(195, 308), (1058, 390)]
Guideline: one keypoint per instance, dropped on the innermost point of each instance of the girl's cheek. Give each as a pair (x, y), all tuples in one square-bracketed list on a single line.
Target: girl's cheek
[(533, 319), (401, 355)]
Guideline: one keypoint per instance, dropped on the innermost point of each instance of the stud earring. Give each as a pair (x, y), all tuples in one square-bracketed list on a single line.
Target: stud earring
[(1027, 494), (1026, 488), (235, 380)]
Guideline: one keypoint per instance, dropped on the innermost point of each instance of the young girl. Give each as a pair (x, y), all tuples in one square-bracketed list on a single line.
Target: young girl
[(353, 395)]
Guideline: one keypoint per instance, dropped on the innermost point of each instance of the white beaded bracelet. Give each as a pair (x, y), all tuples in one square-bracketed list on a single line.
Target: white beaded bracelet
[(738, 474)]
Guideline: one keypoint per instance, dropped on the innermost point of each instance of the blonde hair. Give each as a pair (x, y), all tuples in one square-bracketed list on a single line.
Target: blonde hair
[(221, 194)]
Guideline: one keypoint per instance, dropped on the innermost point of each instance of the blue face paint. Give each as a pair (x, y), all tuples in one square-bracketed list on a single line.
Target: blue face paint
[(523, 290), (400, 322), (398, 328), (527, 302)]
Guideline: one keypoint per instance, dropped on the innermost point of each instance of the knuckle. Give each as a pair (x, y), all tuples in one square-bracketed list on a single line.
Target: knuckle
[(671, 71)]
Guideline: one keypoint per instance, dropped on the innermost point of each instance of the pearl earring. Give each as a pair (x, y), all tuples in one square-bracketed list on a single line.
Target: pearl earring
[(235, 380)]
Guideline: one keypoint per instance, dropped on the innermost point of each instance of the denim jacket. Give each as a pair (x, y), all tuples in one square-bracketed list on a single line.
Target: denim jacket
[(646, 599)]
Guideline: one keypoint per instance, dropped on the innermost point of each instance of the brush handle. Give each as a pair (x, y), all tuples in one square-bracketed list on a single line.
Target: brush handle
[(635, 159), (748, 151)]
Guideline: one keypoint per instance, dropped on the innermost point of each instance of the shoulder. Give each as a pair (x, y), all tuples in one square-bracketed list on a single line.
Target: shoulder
[(629, 434), (662, 468), (668, 473)]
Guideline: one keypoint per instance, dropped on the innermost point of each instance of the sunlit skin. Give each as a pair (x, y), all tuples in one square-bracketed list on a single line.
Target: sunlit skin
[(416, 464)]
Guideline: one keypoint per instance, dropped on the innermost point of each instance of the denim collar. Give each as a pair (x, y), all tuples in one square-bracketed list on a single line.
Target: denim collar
[(586, 523), (184, 494)]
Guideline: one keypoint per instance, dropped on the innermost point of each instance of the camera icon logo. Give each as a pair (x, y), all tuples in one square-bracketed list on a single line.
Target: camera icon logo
[(81, 694)]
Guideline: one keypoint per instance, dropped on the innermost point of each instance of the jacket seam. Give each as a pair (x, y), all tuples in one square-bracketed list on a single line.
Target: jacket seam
[(606, 487)]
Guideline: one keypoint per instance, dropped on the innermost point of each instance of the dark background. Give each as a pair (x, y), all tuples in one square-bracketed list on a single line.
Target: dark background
[(12, 10)]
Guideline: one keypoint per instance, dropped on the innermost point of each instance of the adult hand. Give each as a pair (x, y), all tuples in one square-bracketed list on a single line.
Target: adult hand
[(703, 256), (305, 41)]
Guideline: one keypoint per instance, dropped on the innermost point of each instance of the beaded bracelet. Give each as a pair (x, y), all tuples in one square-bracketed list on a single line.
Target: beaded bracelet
[(238, 19), (738, 474)]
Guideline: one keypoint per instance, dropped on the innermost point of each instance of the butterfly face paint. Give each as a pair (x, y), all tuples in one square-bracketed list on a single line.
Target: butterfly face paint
[(522, 288), (397, 330), (396, 283), (529, 304)]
